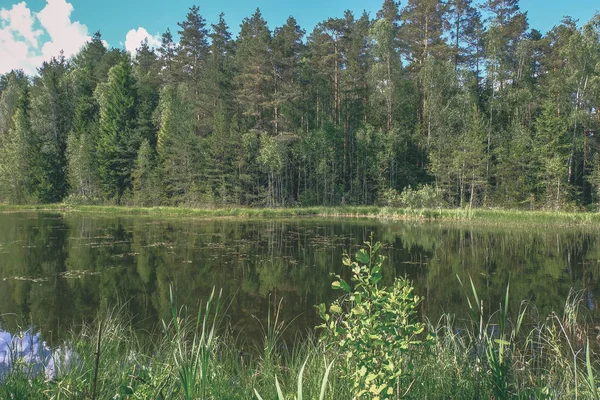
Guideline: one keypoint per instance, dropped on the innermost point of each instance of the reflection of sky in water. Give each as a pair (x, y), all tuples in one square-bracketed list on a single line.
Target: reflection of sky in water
[(25, 352)]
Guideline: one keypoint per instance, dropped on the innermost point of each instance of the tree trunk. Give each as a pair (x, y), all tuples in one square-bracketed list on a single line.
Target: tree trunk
[(389, 93)]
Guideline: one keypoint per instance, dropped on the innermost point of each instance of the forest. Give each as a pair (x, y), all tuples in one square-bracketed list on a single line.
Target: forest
[(454, 101)]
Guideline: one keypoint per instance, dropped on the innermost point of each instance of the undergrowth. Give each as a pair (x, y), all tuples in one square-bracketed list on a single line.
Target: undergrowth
[(374, 345)]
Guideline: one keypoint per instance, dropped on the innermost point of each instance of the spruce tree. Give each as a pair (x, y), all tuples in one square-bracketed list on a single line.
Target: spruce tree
[(117, 140), (51, 119), (16, 153)]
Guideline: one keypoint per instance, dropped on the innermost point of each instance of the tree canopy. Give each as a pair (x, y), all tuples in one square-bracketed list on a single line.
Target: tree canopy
[(489, 111)]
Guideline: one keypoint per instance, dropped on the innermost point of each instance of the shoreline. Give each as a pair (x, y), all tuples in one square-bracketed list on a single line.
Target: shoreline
[(483, 216)]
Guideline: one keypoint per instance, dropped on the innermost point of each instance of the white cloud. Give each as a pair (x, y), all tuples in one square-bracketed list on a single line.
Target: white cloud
[(20, 22), (64, 35), (20, 46), (136, 36), (15, 54)]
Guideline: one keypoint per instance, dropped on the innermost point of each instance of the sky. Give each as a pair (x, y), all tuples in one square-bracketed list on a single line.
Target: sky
[(32, 31)]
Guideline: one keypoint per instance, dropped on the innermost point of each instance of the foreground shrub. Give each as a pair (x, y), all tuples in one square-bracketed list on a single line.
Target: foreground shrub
[(373, 327)]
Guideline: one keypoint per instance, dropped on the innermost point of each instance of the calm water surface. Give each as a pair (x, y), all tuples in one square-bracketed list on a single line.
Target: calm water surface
[(59, 270)]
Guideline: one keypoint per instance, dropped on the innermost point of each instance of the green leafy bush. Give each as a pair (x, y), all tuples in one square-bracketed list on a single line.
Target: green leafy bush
[(389, 198), (424, 197), (373, 327)]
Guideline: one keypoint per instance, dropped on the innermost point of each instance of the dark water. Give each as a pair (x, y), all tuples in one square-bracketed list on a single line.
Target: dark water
[(59, 270)]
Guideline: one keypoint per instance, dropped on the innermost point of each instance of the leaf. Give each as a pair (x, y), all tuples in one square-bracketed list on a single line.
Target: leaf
[(336, 309), (322, 308), (363, 371), (376, 247), (344, 285), (376, 278), (376, 269), (371, 377), (362, 256)]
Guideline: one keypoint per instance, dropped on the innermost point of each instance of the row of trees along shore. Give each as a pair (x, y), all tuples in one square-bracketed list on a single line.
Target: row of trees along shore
[(465, 98)]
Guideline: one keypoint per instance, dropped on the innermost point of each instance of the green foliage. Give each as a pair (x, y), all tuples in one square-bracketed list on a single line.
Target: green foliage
[(494, 113), (117, 142), (373, 328), (146, 186), (194, 346), (81, 170), (15, 161), (422, 198), (299, 395), (179, 152)]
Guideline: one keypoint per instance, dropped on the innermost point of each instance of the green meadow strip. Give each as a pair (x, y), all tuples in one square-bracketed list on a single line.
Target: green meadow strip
[(477, 216)]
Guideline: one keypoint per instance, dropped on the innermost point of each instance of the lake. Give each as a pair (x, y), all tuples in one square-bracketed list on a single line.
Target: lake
[(59, 270)]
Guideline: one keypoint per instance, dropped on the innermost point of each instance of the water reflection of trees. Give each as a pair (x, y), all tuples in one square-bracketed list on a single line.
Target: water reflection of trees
[(89, 263)]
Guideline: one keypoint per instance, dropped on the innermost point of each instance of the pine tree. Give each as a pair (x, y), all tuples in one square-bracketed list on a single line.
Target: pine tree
[(507, 26), (552, 149), (467, 34), (82, 168), (167, 51), (87, 71), (191, 60), (16, 152), (287, 47), (147, 85), (117, 142), (13, 85), (422, 31), (386, 58), (327, 59), (471, 158), (178, 147), (220, 68), (51, 118), (354, 78), (255, 78), (145, 189)]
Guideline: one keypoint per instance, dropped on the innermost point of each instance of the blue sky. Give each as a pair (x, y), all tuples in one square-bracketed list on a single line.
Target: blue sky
[(156, 16), (51, 24)]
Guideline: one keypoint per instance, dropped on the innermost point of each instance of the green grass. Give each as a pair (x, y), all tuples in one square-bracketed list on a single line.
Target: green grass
[(498, 217), (193, 356)]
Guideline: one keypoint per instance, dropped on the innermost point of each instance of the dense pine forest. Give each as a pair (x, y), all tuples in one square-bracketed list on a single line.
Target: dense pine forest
[(457, 103)]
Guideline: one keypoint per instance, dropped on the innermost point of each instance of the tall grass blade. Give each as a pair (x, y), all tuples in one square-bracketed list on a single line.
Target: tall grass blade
[(466, 295), (279, 392), (300, 376), (590, 371), (325, 380), (475, 296)]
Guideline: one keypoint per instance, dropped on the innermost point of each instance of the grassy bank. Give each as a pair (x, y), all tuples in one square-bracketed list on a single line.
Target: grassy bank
[(485, 353), (480, 216), (547, 359)]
